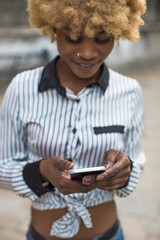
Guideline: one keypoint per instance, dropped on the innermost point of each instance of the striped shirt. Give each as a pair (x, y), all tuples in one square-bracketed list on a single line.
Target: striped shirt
[(40, 119)]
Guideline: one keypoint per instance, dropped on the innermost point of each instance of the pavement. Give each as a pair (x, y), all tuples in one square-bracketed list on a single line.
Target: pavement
[(140, 212)]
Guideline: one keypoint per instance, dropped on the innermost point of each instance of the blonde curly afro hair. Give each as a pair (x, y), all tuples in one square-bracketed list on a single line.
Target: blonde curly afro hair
[(120, 18)]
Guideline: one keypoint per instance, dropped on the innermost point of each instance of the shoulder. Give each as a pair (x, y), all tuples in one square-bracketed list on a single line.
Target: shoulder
[(25, 82), (31, 77), (123, 83), (23, 85)]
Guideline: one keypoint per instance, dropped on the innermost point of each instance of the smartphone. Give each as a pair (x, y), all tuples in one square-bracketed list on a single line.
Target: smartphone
[(78, 174)]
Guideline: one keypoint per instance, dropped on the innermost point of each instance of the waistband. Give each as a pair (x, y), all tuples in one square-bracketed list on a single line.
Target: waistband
[(106, 236)]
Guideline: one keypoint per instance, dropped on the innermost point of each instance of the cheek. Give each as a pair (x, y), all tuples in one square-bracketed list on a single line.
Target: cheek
[(60, 49), (64, 48), (60, 45), (65, 51), (106, 50)]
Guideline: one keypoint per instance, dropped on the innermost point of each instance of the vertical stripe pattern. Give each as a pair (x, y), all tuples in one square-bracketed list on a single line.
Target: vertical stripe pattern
[(38, 125)]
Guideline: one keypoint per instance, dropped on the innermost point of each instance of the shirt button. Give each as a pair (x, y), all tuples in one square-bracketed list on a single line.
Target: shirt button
[(74, 130)]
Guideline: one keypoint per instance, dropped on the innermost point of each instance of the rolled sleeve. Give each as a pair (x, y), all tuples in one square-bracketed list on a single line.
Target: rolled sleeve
[(133, 146), (13, 152)]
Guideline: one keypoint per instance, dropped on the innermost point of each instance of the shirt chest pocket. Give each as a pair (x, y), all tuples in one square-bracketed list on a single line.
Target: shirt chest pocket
[(109, 129), (111, 136)]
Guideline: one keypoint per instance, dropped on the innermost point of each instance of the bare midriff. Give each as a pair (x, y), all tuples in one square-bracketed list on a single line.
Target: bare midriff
[(103, 217)]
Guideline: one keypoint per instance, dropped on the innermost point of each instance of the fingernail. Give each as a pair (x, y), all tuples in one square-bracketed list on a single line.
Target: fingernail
[(107, 166), (87, 181), (101, 177)]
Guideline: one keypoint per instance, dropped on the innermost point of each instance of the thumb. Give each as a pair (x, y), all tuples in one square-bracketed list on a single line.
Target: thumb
[(63, 164), (110, 157)]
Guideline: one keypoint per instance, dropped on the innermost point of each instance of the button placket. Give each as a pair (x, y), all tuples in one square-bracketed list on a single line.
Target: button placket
[(73, 138)]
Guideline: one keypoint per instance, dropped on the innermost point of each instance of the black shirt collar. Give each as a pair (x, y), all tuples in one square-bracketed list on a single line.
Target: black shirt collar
[(49, 78)]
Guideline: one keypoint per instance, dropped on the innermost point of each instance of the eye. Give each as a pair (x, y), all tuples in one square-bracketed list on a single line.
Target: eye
[(105, 40), (103, 37), (71, 40)]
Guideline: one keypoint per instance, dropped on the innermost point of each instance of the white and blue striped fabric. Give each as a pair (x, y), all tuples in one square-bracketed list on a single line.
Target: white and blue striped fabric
[(37, 125)]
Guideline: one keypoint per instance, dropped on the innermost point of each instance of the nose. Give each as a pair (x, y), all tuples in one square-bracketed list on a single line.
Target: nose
[(88, 49)]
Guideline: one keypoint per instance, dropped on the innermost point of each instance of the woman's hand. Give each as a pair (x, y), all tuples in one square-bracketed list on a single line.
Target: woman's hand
[(116, 174), (54, 170)]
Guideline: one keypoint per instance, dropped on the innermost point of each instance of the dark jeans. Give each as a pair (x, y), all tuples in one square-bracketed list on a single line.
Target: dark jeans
[(117, 236)]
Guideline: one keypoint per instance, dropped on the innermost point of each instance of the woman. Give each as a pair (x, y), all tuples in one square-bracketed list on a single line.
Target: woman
[(74, 113)]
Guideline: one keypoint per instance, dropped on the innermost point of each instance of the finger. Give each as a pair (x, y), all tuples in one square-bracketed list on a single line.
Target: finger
[(123, 161), (110, 173), (62, 164), (89, 179), (112, 181), (110, 158), (112, 185), (120, 168), (114, 172), (110, 188), (67, 186), (81, 186)]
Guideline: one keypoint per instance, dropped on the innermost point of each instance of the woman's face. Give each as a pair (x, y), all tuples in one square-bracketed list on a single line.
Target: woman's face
[(83, 57)]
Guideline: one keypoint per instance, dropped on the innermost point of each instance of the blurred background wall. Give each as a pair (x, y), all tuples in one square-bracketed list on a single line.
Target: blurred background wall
[(21, 47)]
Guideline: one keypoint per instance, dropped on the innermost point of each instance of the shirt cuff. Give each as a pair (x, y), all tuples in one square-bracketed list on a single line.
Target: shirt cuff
[(32, 177)]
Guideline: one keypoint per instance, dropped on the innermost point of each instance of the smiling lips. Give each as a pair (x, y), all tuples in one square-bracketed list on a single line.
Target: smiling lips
[(85, 66)]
